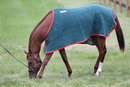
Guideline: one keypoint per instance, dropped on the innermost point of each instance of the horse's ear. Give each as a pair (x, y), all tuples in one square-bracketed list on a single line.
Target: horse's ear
[(25, 52)]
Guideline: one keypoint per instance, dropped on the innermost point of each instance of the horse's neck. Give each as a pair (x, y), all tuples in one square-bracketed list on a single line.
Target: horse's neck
[(37, 35)]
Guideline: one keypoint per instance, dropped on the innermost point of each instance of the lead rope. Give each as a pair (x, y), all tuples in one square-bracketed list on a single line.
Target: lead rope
[(13, 56)]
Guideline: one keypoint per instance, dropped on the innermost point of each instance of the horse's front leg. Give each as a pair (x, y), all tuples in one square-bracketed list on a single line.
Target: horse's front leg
[(44, 63), (64, 57)]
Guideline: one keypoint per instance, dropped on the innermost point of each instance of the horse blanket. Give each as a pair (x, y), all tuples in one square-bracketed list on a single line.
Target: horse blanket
[(76, 25)]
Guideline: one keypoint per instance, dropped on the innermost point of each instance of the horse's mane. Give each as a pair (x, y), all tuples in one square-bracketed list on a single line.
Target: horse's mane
[(30, 39)]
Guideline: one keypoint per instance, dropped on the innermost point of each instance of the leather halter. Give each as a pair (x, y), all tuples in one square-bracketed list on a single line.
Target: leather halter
[(33, 69)]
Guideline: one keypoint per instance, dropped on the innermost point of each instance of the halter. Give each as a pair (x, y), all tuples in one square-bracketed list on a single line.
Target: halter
[(33, 69)]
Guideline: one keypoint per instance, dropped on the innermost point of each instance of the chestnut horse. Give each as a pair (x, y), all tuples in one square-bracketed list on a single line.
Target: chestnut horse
[(36, 39)]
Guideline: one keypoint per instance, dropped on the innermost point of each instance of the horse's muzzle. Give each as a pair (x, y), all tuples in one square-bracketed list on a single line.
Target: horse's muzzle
[(33, 76)]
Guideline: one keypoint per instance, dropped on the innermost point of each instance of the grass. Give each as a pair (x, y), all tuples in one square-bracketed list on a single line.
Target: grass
[(19, 17)]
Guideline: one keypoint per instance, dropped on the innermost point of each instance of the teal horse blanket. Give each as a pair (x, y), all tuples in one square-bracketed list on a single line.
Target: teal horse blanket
[(76, 25)]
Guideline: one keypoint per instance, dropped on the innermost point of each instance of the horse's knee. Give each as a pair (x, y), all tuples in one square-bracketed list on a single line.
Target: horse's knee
[(105, 51)]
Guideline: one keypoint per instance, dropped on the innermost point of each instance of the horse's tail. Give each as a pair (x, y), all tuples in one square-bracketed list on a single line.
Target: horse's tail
[(120, 36)]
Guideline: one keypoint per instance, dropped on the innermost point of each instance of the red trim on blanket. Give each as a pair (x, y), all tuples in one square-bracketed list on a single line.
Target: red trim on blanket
[(83, 40), (48, 30), (44, 47), (50, 25)]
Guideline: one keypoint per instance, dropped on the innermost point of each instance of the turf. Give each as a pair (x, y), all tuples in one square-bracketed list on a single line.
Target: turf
[(17, 20)]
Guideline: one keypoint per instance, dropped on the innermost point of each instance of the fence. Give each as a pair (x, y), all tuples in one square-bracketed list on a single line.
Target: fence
[(122, 4)]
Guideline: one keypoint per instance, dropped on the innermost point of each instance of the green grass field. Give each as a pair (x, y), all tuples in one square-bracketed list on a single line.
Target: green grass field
[(17, 20)]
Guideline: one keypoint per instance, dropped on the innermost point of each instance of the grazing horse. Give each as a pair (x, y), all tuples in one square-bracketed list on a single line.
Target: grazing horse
[(97, 19)]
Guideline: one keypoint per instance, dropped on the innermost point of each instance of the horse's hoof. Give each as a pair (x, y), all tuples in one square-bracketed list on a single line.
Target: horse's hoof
[(38, 77), (97, 74), (69, 75)]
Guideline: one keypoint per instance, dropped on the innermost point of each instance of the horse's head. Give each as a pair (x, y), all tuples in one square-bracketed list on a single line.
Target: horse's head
[(34, 64)]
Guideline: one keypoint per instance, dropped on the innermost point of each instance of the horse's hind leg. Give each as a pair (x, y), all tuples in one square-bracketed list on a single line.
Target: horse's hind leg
[(101, 45), (64, 57)]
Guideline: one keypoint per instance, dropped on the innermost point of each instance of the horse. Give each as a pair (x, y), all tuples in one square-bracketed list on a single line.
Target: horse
[(38, 35)]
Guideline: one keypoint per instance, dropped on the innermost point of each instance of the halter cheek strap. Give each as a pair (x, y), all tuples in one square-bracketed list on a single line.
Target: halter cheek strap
[(35, 58)]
